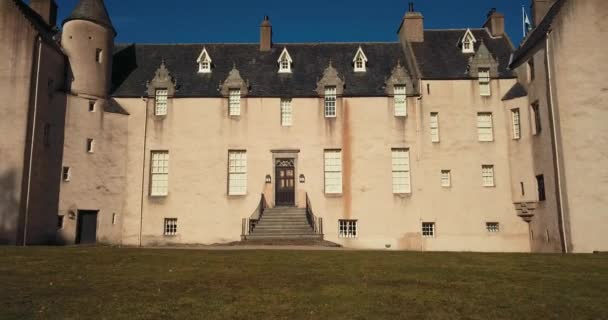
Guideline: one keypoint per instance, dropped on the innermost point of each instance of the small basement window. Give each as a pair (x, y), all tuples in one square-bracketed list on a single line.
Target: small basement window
[(170, 227), (348, 228), (428, 229), (492, 227)]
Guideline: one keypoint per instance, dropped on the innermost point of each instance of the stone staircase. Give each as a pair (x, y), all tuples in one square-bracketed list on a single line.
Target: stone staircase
[(283, 223)]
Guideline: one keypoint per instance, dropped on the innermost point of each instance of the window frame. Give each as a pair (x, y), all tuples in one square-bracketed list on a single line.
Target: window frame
[(488, 176), (516, 123), (493, 227), (485, 80), (536, 120), (234, 102), (541, 188), (237, 172), (159, 173), (170, 227), (428, 230), (401, 171), (332, 171), (481, 127), (330, 100), (434, 127), (400, 100), (447, 182), (348, 228), (286, 112), (161, 102)]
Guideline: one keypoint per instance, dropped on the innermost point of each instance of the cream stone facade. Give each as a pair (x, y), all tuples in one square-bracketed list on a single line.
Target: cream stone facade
[(433, 136)]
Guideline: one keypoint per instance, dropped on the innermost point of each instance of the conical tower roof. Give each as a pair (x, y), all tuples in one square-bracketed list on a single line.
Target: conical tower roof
[(92, 10)]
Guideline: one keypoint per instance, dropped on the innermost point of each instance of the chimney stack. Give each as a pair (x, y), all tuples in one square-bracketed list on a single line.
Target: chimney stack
[(412, 26), (47, 9), (540, 9), (266, 35), (495, 23)]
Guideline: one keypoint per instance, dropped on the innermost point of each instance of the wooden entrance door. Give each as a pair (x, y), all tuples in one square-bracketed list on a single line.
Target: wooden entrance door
[(285, 182), (86, 227)]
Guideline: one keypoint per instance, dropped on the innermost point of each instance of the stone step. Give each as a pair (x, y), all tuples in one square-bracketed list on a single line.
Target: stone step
[(283, 228), (283, 218), (285, 237), (290, 223), (284, 214)]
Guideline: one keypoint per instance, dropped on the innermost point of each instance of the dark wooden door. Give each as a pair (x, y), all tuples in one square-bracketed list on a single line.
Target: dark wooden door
[(285, 182), (86, 228)]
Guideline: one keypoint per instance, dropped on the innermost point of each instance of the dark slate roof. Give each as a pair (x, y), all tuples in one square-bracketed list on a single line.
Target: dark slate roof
[(112, 106), (46, 31), (440, 57), (134, 65), (537, 35), (92, 10), (517, 91)]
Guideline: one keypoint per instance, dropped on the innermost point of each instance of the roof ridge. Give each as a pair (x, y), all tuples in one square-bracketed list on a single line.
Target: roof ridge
[(252, 43)]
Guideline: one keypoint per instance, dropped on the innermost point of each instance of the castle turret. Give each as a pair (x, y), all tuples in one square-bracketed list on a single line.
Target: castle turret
[(88, 40)]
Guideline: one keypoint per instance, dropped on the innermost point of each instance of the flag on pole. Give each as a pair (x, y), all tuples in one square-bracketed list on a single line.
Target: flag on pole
[(526, 22)]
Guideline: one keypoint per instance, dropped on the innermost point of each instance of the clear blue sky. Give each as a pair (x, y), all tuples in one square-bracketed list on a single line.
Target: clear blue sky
[(200, 21)]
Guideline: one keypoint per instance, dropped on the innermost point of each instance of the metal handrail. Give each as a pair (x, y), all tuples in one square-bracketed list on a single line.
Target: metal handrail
[(315, 222), (248, 224)]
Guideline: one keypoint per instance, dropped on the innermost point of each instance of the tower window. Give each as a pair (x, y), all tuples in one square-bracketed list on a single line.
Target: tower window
[(400, 101), (98, 55), (540, 181), (66, 174), (91, 106), (484, 82), (234, 102), (90, 145), (160, 102)]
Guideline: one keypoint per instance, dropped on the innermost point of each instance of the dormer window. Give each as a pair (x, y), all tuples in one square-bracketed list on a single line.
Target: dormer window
[(204, 62), (468, 42), (360, 61), (285, 62)]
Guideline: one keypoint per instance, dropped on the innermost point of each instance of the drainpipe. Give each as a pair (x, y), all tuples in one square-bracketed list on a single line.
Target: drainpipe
[(31, 155), (143, 175), (556, 150)]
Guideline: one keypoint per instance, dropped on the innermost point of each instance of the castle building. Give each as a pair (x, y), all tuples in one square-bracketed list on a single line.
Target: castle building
[(443, 140)]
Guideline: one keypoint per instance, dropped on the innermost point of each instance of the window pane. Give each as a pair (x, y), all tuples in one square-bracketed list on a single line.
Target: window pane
[(159, 172), (161, 102), (487, 173), (286, 112), (484, 126), (400, 101), (237, 172), (434, 126), (333, 171), (330, 101), (401, 171), (234, 102)]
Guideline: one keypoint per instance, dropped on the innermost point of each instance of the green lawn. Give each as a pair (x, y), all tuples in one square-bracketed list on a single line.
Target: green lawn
[(112, 283)]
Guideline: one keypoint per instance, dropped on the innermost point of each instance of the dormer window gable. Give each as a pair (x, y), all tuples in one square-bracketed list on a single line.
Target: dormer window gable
[(285, 62), (360, 61), (204, 62), (468, 42)]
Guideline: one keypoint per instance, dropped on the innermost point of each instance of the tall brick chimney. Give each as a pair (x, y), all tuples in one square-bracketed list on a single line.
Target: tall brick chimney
[(540, 9), (47, 9), (265, 35), (412, 26), (495, 23)]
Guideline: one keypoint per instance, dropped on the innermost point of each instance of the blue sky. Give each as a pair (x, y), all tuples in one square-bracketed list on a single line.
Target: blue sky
[(200, 21)]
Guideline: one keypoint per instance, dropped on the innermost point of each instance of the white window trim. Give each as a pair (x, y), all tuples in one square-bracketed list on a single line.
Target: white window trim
[(347, 228), (434, 126), (284, 57), (360, 57), (516, 123), (424, 228), (286, 113), (400, 100), (204, 62), (237, 172), (332, 168), (331, 97), (167, 231), (485, 82), (401, 171), (468, 36), (446, 178), (159, 173), (481, 127), (161, 101), (488, 176), (234, 102)]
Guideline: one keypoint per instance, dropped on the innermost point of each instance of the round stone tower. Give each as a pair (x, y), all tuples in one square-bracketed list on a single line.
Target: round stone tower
[(88, 40)]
